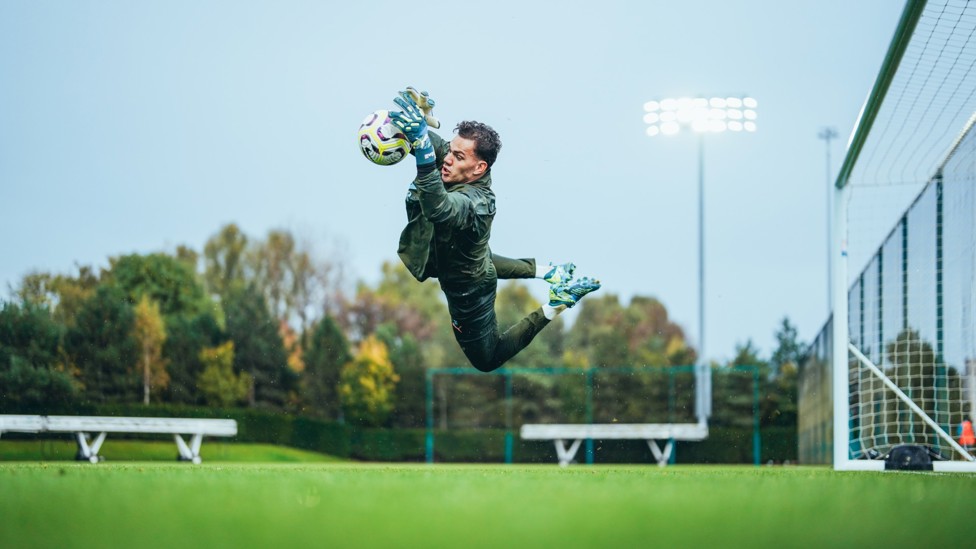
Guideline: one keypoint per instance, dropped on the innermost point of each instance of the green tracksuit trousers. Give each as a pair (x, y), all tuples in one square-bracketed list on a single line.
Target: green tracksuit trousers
[(475, 325)]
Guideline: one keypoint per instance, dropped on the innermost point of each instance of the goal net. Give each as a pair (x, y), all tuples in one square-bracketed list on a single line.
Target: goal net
[(904, 358)]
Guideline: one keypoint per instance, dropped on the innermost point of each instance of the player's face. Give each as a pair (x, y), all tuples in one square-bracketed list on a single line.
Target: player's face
[(462, 165)]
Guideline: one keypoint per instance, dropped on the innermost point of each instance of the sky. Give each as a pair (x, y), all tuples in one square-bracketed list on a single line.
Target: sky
[(136, 127)]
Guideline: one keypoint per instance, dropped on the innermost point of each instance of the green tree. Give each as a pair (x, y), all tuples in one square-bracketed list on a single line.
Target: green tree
[(166, 280), (224, 259), (149, 331), (258, 348), (32, 374), (780, 392), (367, 384), (217, 382), (327, 352), (61, 294), (409, 407), (101, 347), (186, 336)]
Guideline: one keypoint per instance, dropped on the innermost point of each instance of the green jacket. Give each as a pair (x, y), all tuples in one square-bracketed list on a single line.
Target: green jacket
[(447, 230)]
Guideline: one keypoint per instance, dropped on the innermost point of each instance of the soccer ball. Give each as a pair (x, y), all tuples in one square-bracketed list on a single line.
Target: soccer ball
[(381, 141)]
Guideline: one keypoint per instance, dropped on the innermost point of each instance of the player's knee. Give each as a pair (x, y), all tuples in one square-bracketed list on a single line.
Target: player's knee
[(485, 365), (481, 359)]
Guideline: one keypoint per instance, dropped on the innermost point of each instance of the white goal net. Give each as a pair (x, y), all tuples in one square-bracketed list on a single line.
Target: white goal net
[(906, 229)]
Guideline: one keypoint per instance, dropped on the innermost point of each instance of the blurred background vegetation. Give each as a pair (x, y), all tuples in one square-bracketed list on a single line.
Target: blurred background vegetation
[(257, 328)]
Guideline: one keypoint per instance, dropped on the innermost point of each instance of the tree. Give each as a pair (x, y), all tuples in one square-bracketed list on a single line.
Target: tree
[(100, 345), (224, 259), (167, 280), (780, 394), (258, 348), (788, 349), (186, 337), (409, 407), (63, 295), (149, 332), (367, 384), (218, 383), (32, 374), (271, 261), (327, 353)]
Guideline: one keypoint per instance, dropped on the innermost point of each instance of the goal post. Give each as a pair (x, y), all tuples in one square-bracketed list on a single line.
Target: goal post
[(903, 345)]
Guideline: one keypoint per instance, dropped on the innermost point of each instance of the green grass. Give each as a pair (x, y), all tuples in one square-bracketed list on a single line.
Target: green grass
[(146, 505), (114, 450)]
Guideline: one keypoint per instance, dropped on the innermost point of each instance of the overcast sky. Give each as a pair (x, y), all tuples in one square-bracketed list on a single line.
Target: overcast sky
[(134, 127)]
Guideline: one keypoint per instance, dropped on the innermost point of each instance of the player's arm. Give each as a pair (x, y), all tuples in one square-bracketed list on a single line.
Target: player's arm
[(437, 205)]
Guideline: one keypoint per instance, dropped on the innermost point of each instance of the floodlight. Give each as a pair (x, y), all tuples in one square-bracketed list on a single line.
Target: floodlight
[(670, 128), (702, 115)]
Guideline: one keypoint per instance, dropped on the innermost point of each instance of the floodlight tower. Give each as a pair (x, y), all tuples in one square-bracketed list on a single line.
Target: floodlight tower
[(827, 134), (702, 115)]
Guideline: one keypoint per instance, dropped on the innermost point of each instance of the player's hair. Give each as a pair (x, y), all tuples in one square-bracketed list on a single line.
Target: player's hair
[(486, 140)]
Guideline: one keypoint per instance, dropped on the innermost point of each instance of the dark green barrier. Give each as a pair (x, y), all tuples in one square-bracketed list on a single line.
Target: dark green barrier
[(724, 444)]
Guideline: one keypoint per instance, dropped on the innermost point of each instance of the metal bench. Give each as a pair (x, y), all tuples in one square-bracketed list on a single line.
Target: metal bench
[(83, 426), (651, 432)]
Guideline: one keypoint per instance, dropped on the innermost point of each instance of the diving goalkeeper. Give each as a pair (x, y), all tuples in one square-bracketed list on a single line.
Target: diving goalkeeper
[(450, 208)]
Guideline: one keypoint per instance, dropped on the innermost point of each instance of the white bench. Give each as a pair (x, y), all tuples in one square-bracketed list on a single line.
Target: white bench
[(82, 426), (651, 432)]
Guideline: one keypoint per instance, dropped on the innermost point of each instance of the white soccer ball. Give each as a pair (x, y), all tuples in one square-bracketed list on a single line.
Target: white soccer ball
[(381, 141)]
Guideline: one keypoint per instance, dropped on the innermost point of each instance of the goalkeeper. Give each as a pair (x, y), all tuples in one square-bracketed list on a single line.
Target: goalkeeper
[(450, 208)]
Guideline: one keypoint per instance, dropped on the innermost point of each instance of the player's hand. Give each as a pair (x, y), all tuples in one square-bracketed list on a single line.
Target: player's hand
[(411, 119), (414, 125), (426, 104)]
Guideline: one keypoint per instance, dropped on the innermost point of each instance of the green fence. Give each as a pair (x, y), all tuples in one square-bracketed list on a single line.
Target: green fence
[(573, 395)]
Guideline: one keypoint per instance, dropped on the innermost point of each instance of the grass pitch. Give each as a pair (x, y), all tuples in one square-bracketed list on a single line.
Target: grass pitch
[(144, 505)]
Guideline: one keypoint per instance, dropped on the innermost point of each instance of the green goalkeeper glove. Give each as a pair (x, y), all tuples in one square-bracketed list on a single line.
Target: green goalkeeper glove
[(413, 123), (426, 104)]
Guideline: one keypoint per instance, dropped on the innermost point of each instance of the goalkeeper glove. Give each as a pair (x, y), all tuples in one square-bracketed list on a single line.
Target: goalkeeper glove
[(426, 104), (414, 124)]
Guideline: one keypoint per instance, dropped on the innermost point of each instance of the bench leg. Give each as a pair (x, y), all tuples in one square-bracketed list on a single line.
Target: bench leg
[(564, 454), (191, 452), (662, 457), (88, 451)]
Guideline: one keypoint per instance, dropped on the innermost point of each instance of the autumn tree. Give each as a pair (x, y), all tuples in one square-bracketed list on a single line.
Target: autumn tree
[(149, 332), (367, 384), (217, 382)]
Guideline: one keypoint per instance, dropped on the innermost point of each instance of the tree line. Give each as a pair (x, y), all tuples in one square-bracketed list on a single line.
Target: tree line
[(269, 323)]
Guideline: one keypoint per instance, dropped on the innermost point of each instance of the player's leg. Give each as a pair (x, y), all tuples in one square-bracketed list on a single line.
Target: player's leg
[(507, 268)]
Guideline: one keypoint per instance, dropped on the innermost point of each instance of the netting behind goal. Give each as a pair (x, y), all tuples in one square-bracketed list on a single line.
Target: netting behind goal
[(908, 195)]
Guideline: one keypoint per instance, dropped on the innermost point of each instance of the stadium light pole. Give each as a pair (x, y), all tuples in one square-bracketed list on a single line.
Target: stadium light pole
[(702, 115), (827, 134)]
